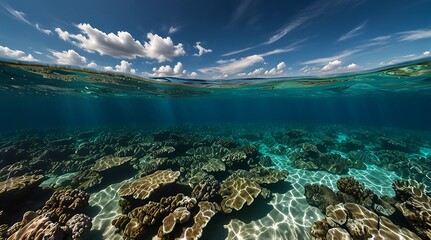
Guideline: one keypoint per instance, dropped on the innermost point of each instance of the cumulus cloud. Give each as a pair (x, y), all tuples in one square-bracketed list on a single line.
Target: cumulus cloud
[(415, 35), (16, 54), (193, 75), (201, 49), (331, 65), (167, 70), (69, 57), (233, 66), (277, 70), (94, 65), (122, 44), (352, 66), (262, 72), (72, 58), (336, 65), (426, 53), (123, 67)]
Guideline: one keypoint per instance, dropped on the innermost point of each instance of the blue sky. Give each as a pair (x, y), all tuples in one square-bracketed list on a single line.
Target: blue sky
[(219, 38)]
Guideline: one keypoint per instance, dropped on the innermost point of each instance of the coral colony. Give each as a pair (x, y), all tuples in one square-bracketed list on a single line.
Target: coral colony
[(181, 183)]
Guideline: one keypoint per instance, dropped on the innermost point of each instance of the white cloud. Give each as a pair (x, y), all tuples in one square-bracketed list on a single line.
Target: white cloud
[(92, 64), (426, 53), (336, 66), (46, 31), (330, 59), (16, 54), (167, 70), (18, 15), (193, 75), (173, 29), (277, 70), (255, 73), (122, 44), (415, 35), (69, 57), (261, 72), (124, 67), (331, 65), (237, 51), (201, 49), (233, 66), (312, 11), (381, 38), (352, 33), (21, 17), (352, 66)]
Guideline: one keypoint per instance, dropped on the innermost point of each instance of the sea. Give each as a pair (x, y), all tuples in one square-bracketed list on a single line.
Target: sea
[(173, 158)]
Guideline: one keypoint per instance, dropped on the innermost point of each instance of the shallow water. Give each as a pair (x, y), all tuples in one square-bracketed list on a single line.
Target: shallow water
[(98, 132)]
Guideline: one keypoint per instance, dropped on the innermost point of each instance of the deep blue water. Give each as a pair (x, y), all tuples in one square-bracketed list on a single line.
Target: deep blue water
[(382, 110)]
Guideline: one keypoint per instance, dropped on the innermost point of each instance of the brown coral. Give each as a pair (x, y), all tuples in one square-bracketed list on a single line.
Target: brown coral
[(180, 215), (415, 206), (63, 204), (18, 185), (351, 190), (320, 196), (363, 224), (135, 224), (143, 187), (214, 165), (108, 162), (263, 175), (236, 192), (206, 211)]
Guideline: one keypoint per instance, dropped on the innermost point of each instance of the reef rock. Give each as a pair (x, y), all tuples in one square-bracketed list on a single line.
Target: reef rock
[(206, 190), (63, 204), (353, 221), (79, 225), (351, 190), (143, 187), (320, 196), (137, 222), (109, 162), (415, 206), (263, 175), (236, 192), (206, 211), (13, 187)]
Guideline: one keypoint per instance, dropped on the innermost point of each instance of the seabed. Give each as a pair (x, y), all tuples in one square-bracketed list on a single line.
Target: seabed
[(216, 182)]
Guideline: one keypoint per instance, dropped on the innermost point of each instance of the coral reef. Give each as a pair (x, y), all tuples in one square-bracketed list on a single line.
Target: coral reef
[(320, 196), (206, 190), (142, 188), (138, 221), (109, 162), (236, 192), (63, 204), (206, 211), (262, 175), (414, 205), (352, 221)]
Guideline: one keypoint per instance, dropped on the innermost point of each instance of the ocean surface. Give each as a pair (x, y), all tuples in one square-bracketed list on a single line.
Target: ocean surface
[(96, 155)]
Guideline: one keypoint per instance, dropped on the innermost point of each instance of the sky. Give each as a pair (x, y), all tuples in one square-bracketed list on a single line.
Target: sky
[(217, 39)]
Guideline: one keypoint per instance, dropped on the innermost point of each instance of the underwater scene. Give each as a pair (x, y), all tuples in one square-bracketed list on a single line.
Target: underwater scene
[(90, 155), (215, 119)]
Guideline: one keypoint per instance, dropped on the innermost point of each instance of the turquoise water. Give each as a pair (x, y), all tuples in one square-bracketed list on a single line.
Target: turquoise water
[(249, 148)]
